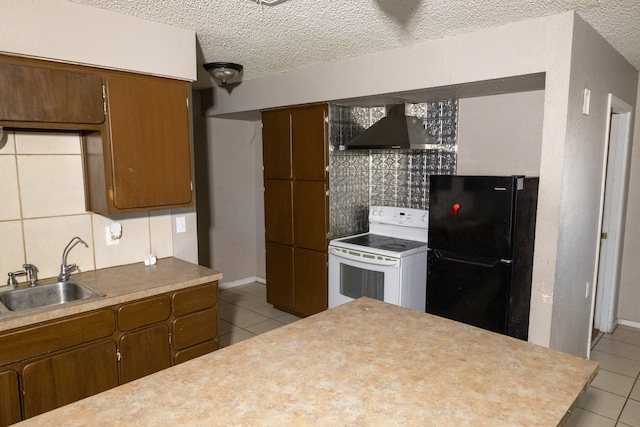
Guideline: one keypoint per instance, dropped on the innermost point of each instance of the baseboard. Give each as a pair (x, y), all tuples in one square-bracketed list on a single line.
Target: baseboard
[(629, 323), (245, 281)]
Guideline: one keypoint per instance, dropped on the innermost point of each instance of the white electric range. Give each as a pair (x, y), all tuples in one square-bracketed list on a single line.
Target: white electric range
[(389, 263)]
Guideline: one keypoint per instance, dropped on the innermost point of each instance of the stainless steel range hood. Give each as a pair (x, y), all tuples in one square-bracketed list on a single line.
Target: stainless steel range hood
[(394, 131)]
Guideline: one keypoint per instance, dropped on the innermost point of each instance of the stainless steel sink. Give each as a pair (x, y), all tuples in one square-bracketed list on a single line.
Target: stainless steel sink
[(46, 295)]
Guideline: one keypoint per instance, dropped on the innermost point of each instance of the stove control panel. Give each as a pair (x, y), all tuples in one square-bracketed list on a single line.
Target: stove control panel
[(399, 216)]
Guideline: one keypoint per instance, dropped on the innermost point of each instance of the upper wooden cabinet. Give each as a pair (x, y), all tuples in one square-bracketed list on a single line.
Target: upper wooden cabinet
[(276, 143), (309, 136), (136, 129), (143, 159), (294, 143), (49, 95)]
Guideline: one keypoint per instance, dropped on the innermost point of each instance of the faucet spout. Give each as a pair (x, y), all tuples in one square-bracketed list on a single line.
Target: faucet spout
[(65, 268)]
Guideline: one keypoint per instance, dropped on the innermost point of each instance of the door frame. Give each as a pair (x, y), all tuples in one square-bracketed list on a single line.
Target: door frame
[(612, 214)]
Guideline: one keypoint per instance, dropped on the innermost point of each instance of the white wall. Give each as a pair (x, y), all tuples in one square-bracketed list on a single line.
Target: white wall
[(71, 32), (43, 208), (500, 134), (68, 32)]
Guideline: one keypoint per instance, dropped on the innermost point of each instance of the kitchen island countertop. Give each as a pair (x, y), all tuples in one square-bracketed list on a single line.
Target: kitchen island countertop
[(362, 363)]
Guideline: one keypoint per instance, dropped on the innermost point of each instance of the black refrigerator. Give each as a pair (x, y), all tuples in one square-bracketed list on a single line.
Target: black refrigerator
[(481, 240)]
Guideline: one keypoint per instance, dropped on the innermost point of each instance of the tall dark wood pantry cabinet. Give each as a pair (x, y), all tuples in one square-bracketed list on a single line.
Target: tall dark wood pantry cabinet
[(296, 202)]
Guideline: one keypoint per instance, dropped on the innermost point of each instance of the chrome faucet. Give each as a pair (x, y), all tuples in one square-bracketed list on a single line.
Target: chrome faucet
[(65, 268), (32, 273)]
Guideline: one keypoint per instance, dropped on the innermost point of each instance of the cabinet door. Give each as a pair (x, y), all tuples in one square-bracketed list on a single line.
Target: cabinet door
[(276, 144), (280, 275), (278, 211), (309, 142), (150, 146), (310, 270), (49, 95), (310, 215), (144, 352), (57, 380), (9, 398)]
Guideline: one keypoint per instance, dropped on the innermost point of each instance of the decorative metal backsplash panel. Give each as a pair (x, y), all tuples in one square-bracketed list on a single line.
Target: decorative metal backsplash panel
[(362, 178)]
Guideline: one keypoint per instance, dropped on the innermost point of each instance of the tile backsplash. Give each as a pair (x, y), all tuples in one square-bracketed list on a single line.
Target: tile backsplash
[(359, 179), (43, 207)]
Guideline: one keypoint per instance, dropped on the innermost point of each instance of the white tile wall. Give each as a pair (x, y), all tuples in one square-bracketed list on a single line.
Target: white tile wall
[(42, 207)]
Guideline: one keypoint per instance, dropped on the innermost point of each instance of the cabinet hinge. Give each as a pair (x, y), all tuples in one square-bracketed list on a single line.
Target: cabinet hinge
[(104, 100), (326, 193), (118, 355)]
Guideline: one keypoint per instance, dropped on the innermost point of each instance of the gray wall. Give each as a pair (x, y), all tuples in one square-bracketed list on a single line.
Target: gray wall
[(501, 134), (597, 66)]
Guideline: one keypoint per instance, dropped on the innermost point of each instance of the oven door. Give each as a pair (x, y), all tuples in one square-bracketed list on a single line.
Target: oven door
[(354, 274)]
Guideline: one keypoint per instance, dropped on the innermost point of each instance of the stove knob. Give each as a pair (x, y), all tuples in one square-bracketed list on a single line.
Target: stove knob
[(425, 218), (380, 212)]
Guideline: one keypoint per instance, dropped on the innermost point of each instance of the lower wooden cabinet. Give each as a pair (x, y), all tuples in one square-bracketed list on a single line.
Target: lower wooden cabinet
[(10, 411), (310, 278), (280, 276), (53, 381), (144, 352), (297, 279), (195, 322), (61, 361)]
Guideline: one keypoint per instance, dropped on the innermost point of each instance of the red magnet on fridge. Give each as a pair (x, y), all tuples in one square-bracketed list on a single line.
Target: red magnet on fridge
[(455, 208)]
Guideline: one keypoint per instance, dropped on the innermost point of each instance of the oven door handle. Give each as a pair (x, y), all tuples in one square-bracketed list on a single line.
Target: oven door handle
[(378, 260)]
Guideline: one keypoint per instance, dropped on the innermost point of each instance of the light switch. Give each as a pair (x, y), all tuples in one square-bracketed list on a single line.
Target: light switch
[(181, 225)]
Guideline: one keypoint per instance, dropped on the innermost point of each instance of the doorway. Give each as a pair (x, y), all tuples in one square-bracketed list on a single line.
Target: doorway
[(612, 211)]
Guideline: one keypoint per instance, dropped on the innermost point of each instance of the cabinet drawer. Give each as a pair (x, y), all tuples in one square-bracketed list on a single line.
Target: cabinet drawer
[(196, 351), (192, 300), (195, 328), (143, 313), (35, 340)]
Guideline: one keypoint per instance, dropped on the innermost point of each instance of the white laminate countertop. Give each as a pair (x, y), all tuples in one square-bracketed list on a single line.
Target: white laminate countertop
[(118, 285), (360, 364)]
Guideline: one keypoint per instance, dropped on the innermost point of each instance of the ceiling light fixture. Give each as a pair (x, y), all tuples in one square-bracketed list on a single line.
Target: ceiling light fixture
[(223, 72), (268, 2)]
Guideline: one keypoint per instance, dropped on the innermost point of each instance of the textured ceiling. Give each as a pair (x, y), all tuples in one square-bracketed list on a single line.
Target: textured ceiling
[(297, 33)]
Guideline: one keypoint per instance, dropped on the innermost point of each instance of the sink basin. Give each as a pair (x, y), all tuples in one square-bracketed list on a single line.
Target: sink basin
[(46, 295)]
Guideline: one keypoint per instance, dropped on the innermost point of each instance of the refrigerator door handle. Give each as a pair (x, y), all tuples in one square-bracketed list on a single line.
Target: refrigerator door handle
[(439, 255)]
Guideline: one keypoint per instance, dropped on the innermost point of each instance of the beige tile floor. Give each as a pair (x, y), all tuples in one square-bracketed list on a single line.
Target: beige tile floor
[(245, 313), (612, 399)]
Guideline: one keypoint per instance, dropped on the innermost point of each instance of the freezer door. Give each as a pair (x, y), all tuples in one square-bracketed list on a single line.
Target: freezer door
[(469, 292), (472, 215)]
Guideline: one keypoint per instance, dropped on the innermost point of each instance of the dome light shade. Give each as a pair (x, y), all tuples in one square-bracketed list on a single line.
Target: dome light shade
[(223, 72)]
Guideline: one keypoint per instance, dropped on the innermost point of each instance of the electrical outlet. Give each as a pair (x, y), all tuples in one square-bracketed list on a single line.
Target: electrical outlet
[(586, 292), (586, 101), (181, 225), (109, 237)]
